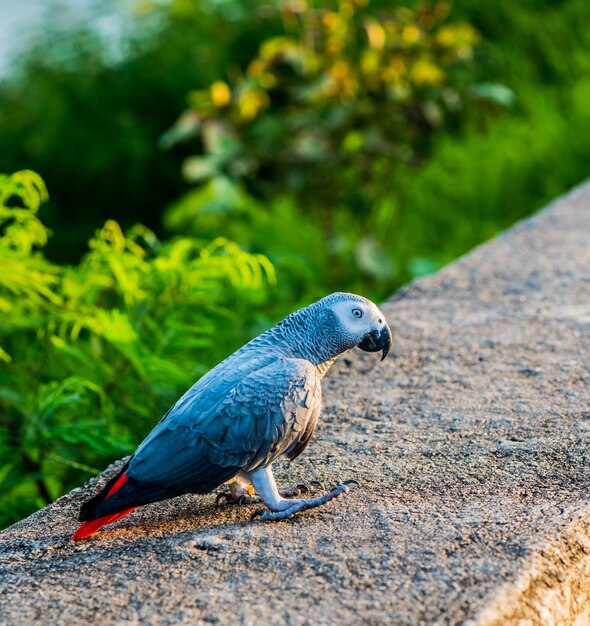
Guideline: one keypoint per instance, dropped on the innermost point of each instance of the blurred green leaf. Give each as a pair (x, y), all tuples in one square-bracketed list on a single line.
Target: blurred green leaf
[(197, 169), (373, 258), (494, 92)]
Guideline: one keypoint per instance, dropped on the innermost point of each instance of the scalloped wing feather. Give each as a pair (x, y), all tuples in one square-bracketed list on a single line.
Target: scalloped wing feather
[(242, 420)]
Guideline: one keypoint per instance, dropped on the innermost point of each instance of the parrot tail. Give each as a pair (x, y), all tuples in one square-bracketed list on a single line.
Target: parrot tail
[(90, 527)]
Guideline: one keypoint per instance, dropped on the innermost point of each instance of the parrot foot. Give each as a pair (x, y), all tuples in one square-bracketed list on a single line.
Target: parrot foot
[(231, 499), (303, 505), (286, 492)]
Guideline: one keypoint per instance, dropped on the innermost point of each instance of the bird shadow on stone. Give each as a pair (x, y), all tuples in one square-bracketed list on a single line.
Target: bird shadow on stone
[(188, 513)]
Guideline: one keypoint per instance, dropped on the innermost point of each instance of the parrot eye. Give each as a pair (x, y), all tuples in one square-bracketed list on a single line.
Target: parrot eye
[(357, 313)]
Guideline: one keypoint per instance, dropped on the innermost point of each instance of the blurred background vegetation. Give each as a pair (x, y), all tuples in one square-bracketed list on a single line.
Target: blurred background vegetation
[(255, 156)]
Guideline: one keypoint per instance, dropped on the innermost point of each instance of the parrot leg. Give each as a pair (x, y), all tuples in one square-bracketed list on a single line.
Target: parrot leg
[(265, 485)]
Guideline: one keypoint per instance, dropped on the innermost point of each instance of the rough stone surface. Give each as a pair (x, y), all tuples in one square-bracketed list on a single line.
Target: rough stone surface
[(471, 446)]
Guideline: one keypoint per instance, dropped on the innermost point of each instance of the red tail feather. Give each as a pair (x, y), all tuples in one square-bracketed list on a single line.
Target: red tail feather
[(118, 484), (90, 527)]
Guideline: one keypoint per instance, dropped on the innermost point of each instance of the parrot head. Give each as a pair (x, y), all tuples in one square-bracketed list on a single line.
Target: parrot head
[(341, 321), (360, 323)]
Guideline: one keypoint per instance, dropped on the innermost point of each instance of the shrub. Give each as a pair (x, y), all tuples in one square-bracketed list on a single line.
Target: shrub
[(307, 136), (93, 354), (86, 112), (321, 108)]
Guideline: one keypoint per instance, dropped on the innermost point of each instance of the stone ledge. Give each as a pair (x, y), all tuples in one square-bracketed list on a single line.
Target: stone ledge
[(471, 445)]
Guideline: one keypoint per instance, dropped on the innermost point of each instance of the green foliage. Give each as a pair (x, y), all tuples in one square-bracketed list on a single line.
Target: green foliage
[(497, 178), (340, 88), (83, 115), (308, 134), (388, 177), (92, 355), (531, 42)]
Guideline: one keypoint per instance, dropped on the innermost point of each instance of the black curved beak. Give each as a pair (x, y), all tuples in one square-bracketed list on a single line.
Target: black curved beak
[(377, 340)]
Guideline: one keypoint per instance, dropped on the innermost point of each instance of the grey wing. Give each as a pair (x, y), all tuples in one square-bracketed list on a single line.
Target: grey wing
[(284, 412), (301, 443), (204, 442)]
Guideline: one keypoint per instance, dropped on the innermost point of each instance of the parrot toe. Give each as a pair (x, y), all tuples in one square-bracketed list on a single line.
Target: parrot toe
[(248, 500), (233, 499), (224, 495), (312, 485)]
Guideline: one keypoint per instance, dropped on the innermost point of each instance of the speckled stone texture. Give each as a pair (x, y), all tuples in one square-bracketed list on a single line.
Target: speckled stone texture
[(471, 444)]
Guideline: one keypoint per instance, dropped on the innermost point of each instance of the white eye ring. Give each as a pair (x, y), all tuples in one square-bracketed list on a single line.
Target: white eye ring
[(357, 313)]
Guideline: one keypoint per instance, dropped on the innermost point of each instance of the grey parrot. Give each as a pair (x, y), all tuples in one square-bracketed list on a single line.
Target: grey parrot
[(260, 403)]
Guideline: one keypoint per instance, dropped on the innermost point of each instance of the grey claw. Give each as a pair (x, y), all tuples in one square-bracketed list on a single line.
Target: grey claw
[(351, 482), (310, 486), (241, 500), (224, 495), (256, 514)]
